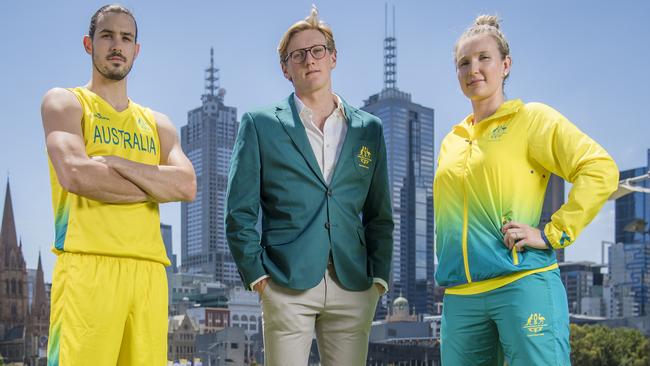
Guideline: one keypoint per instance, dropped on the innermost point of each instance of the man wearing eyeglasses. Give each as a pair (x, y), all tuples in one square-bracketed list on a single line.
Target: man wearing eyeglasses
[(317, 168)]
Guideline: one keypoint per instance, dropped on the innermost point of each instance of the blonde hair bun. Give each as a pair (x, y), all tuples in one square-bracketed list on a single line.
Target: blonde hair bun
[(491, 20), (486, 24)]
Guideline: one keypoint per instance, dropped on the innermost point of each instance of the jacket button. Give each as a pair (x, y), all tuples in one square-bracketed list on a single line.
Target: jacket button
[(327, 225), (329, 192)]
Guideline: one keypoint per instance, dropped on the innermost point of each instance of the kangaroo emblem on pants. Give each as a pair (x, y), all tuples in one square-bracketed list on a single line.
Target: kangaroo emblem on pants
[(535, 324)]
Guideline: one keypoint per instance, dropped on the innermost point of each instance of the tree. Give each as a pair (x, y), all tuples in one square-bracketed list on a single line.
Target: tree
[(596, 345)]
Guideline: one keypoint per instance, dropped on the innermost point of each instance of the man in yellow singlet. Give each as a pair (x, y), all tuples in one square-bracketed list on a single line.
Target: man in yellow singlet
[(112, 162)]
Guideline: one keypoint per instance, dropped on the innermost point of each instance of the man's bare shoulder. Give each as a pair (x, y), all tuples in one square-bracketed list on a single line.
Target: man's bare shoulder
[(163, 122), (60, 100)]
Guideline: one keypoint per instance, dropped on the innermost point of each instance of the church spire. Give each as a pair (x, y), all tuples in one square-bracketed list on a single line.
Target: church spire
[(13, 308), (8, 238), (39, 296), (40, 265), (40, 308)]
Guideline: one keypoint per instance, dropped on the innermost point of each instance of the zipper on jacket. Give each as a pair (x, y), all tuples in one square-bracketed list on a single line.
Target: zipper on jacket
[(465, 213)]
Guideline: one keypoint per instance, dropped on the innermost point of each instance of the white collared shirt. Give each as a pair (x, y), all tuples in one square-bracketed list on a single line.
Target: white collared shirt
[(326, 145)]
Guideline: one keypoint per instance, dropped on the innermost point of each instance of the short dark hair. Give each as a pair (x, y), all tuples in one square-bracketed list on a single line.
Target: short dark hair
[(111, 8)]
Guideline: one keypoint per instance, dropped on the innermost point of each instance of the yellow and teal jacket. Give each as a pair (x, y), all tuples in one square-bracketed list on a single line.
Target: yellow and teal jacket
[(496, 171)]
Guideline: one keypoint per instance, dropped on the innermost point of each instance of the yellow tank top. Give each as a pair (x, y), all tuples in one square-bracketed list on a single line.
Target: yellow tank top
[(83, 225)]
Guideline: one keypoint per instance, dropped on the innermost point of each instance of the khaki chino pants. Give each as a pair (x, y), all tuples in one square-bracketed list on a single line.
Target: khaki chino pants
[(340, 318)]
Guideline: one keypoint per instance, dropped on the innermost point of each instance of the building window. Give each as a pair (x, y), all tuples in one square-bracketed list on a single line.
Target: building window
[(234, 345)]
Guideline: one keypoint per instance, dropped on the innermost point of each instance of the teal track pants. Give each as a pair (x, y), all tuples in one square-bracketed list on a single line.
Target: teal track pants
[(526, 321)]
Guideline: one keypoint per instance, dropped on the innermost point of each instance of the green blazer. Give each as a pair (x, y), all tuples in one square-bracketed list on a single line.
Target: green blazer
[(273, 167)]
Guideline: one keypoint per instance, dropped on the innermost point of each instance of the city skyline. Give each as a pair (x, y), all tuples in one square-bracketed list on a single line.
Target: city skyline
[(566, 55)]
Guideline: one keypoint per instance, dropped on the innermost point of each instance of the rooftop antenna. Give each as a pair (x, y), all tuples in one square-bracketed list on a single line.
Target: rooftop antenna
[(390, 52), (211, 76)]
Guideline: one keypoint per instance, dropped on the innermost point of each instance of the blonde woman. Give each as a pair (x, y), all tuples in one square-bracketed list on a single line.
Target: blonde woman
[(503, 288)]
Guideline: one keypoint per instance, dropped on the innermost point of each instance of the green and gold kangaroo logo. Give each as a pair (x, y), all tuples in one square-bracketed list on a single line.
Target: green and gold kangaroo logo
[(535, 324), (498, 131), (365, 157)]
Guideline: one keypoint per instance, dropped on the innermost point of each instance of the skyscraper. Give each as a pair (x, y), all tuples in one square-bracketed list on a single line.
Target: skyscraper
[(629, 258), (166, 233), (629, 272), (553, 200), (633, 210), (408, 131), (208, 140)]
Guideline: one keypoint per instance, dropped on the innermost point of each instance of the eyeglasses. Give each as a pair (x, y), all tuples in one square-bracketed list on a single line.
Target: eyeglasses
[(298, 56)]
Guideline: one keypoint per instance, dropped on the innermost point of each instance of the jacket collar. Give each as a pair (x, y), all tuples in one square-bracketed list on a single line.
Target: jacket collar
[(467, 128), (287, 113), (304, 111)]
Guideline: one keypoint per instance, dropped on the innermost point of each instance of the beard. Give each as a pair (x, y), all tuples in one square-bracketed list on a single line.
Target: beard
[(110, 73)]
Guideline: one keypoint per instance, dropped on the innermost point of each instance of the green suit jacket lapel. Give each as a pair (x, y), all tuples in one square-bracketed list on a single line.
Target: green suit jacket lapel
[(288, 115), (355, 123)]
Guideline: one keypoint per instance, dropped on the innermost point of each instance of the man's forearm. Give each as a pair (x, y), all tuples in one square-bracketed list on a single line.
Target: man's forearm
[(99, 182), (130, 193), (163, 183)]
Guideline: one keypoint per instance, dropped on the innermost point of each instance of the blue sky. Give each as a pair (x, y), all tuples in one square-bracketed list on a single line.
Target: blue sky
[(587, 59)]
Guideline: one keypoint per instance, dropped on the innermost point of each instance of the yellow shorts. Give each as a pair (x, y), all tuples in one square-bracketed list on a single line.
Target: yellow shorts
[(107, 311)]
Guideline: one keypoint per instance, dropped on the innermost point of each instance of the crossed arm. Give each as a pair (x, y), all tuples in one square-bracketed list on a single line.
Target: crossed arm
[(112, 179)]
